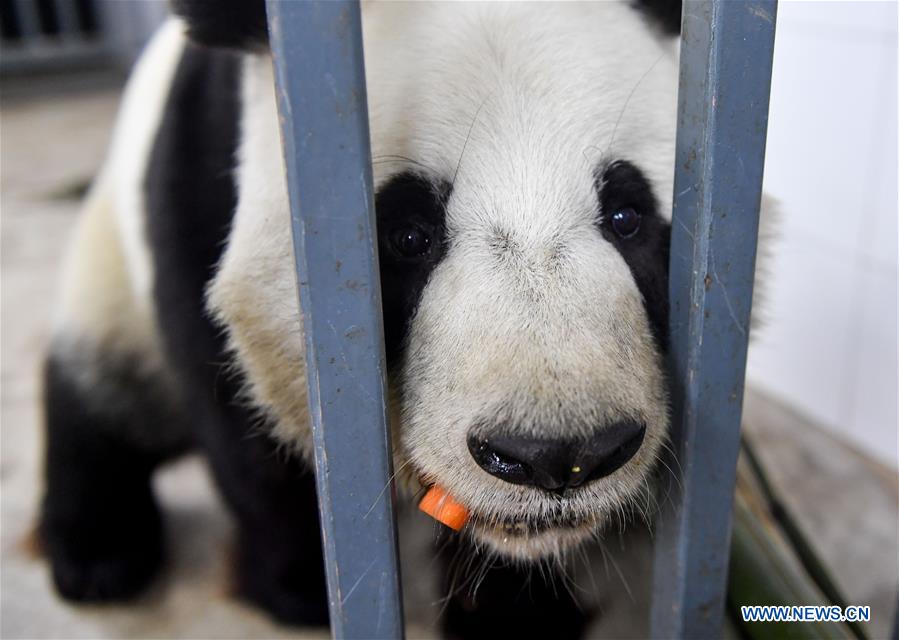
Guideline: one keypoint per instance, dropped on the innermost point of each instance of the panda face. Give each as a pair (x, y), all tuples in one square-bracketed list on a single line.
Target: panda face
[(523, 164), (522, 346)]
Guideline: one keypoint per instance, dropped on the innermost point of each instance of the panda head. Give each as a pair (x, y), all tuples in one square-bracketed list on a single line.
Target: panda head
[(523, 161)]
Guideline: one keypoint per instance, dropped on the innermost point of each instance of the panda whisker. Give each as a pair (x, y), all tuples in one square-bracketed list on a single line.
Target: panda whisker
[(611, 560), (627, 102), (592, 147), (588, 567), (468, 137), (569, 582), (386, 486), (384, 158), (566, 579), (454, 570), (441, 549), (549, 576), (672, 475), (650, 505), (486, 566), (465, 570), (666, 445), (478, 565)]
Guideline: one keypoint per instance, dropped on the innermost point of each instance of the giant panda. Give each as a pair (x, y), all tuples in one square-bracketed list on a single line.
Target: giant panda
[(523, 162)]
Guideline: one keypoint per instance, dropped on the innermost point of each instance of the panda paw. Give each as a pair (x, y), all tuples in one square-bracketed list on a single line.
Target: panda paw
[(106, 579), (282, 584), (289, 607), (104, 562)]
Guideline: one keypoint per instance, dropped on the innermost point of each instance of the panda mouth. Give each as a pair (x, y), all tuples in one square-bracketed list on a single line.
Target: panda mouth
[(524, 526), (529, 527), (528, 540), (527, 536)]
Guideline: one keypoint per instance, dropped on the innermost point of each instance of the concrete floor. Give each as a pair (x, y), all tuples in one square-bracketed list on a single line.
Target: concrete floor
[(50, 145)]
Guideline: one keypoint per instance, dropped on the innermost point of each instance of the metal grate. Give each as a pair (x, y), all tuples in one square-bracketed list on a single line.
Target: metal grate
[(725, 78), (726, 55), (63, 35), (42, 34), (317, 48), (24, 20)]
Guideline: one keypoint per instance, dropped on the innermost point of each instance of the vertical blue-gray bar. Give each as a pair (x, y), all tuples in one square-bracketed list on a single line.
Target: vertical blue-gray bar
[(895, 632), (725, 77), (317, 49), (29, 20)]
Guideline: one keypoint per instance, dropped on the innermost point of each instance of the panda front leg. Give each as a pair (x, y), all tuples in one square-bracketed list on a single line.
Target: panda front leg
[(279, 564), (111, 418), (507, 601), (100, 525)]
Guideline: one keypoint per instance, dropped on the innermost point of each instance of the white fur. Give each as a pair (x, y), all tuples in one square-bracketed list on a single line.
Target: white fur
[(548, 333), (106, 294), (254, 291), (143, 104)]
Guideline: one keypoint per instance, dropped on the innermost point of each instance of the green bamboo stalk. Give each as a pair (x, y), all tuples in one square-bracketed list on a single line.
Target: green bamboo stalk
[(773, 564), (800, 544)]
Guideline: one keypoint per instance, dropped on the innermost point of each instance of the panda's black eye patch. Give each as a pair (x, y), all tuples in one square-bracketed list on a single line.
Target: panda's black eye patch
[(625, 198), (629, 219), (411, 210)]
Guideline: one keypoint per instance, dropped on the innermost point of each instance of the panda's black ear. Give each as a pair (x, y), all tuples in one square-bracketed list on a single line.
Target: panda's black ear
[(665, 13), (236, 24)]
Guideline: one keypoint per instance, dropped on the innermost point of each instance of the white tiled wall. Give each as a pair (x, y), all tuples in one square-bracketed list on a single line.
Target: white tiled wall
[(830, 344)]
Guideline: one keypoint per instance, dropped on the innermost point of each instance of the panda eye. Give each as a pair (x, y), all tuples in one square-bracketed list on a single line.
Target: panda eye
[(411, 242), (626, 222)]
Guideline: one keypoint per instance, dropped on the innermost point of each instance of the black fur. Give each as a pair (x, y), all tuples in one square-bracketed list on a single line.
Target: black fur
[(191, 197), (509, 602), (622, 185), (407, 200), (239, 24), (665, 13), (100, 525)]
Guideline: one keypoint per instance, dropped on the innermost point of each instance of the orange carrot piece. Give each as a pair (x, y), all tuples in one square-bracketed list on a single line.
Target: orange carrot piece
[(438, 504)]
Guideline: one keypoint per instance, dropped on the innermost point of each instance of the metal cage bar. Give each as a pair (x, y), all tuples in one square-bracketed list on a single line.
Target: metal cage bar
[(725, 79), (29, 19), (317, 49), (66, 13)]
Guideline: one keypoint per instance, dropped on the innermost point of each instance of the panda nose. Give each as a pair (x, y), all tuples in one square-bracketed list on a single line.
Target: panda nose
[(556, 465)]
